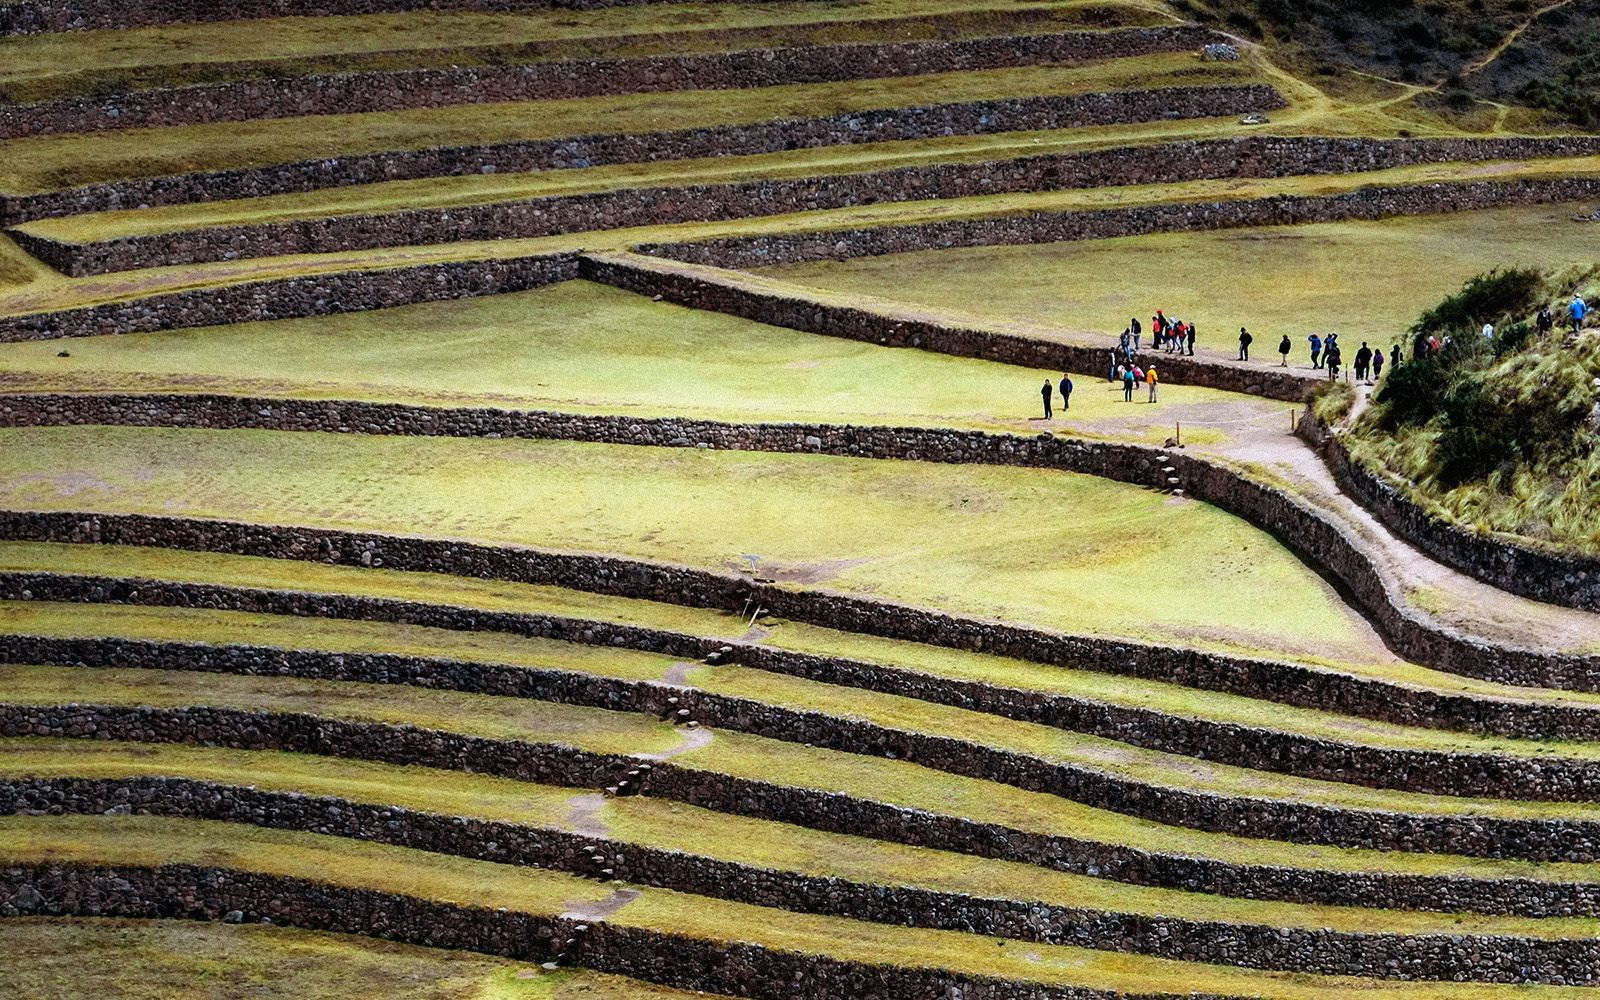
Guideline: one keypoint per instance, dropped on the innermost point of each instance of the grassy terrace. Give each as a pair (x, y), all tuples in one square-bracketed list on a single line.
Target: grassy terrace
[(135, 840), (45, 67), (1058, 550), (451, 192), (580, 347), (1289, 279), (730, 752), (62, 959), (666, 825), (360, 637), (46, 163)]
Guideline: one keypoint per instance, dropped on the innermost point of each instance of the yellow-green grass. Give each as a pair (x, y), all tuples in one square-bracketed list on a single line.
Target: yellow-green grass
[(46, 163), (48, 66), (756, 758), (898, 783), (1055, 549), (585, 348), (665, 825), (94, 959), (248, 571), (1363, 280), (328, 860), (222, 628), (481, 189)]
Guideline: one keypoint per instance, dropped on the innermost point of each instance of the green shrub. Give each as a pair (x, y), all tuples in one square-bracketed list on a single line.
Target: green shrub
[(1496, 297)]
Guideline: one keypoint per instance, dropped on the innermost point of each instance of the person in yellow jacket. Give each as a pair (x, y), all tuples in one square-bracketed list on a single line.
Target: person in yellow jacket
[(1152, 381)]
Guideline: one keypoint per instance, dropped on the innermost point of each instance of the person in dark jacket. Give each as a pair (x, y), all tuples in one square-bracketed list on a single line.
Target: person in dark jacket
[(1284, 347), (1394, 355), (1046, 391), (1363, 362), (1244, 344), (1066, 392), (1377, 365)]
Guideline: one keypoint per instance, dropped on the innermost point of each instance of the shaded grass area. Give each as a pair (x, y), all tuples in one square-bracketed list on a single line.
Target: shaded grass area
[(46, 163), (139, 840), (82, 959), (1053, 549), (360, 637), (673, 826), (580, 347), (730, 752), (448, 192), (105, 63), (1363, 280)]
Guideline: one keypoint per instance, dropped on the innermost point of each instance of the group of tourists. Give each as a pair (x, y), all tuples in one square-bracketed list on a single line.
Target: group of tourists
[(1172, 336)]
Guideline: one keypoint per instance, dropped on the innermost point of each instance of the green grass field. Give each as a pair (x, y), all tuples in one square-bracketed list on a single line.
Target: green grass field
[(1054, 549), (1363, 280), (580, 347), (103, 959)]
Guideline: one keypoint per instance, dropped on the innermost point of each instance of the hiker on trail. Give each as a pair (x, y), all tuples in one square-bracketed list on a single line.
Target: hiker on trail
[(1377, 365), (1419, 347), (1191, 340), (1316, 349), (1127, 385), (1284, 347), (1135, 328), (1111, 369), (1245, 341), (1152, 381), (1046, 393), (1125, 342), (1066, 392), (1544, 322), (1577, 312), (1334, 362), (1363, 362), (1136, 333), (1394, 355), (1175, 342)]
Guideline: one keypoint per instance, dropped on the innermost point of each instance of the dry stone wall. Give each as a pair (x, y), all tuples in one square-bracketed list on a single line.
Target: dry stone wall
[(876, 125), (1383, 956), (396, 90), (1050, 227), (293, 297), (1303, 528), (1570, 580)]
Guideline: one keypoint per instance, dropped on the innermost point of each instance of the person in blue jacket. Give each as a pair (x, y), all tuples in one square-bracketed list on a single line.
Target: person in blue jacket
[(1066, 392), (1316, 350), (1577, 312)]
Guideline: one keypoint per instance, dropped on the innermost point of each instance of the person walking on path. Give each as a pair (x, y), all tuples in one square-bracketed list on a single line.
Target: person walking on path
[(1191, 340), (1046, 391), (1363, 362), (1316, 350), (1284, 347), (1334, 362), (1577, 312), (1152, 381), (1544, 322), (1136, 332), (1377, 365), (1066, 392), (1127, 385), (1394, 355), (1245, 340)]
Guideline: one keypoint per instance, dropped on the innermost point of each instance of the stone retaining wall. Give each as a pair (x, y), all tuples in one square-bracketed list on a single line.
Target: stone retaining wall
[(638, 207), (1051, 227), (1298, 525), (875, 125), (1463, 773), (1383, 956), (290, 298), (34, 17), (1469, 834), (396, 90), (1569, 580), (731, 292)]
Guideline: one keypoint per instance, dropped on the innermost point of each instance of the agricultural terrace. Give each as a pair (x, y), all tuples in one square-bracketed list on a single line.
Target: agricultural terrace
[(532, 501)]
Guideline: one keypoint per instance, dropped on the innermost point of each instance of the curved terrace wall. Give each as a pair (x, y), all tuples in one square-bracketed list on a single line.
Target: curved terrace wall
[(1570, 580), (1051, 227), (877, 125), (626, 208), (1317, 951), (397, 90), (1297, 524)]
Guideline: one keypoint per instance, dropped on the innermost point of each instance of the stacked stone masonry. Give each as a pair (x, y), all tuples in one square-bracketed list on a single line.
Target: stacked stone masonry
[(628, 208), (397, 90), (1318, 951), (877, 125), (1302, 527)]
